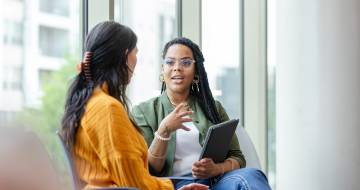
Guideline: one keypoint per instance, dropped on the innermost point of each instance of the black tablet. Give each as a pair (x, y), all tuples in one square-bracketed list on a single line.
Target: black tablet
[(218, 140)]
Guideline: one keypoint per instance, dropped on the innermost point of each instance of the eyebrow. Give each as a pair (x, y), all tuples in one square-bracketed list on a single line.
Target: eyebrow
[(180, 58)]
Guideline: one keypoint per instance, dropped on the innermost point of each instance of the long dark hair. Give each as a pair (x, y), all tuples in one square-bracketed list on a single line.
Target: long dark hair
[(108, 45), (203, 95)]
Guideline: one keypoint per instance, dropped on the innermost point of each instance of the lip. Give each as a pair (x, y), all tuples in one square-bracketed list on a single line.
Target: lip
[(177, 77)]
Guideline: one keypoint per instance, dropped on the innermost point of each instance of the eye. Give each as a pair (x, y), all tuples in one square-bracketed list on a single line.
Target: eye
[(169, 62), (186, 62)]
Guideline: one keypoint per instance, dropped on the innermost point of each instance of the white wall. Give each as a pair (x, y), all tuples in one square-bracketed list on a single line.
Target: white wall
[(318, 94)]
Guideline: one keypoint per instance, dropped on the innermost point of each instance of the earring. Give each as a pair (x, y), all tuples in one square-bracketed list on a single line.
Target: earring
[(196, 81), (161, 77)]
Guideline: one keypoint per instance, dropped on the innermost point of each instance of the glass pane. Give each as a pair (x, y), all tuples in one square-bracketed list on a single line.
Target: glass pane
[(48, 36), (55, 7), (13, 32), (271, 91), (155, 26), (221, 49), (37, 60)]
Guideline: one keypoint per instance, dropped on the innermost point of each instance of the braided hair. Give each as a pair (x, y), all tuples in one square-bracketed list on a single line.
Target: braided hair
[(105, 61), (202, 94)]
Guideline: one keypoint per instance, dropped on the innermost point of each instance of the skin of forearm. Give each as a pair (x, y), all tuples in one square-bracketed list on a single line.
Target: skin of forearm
[(157, 164), (231, 164), (156, 156), (228, 165)]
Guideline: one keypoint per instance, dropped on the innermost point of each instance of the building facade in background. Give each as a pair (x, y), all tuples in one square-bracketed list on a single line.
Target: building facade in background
[(36, 36)]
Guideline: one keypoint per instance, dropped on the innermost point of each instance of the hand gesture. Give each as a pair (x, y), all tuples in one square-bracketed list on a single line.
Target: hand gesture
[(205, 168), (175, 119)]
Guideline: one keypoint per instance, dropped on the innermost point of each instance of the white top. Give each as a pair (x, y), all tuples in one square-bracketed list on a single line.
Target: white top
[(187, 149)]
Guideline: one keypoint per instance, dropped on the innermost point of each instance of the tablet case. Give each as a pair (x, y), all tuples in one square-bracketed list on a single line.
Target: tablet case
[(218, 139)]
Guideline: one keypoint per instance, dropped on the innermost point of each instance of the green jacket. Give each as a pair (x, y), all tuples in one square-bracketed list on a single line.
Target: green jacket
[(149, 114)]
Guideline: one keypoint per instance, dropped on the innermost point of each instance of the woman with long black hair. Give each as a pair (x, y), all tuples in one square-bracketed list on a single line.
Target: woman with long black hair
[(175, 145)]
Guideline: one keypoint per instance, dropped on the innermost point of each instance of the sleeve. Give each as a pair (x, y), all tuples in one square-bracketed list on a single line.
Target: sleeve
[(234, 150), (115, 140), (138, 116)]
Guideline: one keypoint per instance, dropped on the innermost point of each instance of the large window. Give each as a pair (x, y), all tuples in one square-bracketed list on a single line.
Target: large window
[(222, 51), (155, 26), (37, 58), (48, 57)]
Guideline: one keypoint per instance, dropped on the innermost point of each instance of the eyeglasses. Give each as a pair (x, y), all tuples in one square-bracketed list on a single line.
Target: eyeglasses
[(182, 62)]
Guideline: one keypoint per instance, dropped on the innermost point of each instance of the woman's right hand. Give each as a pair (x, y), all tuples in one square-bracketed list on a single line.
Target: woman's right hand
[(175, 120), (194, 186)]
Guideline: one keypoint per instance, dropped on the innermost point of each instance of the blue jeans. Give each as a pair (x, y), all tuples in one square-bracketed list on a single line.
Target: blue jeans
[(240, 179)]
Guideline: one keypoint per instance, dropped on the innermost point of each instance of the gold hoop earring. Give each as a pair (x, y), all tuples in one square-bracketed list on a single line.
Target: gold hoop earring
[(161, 77)]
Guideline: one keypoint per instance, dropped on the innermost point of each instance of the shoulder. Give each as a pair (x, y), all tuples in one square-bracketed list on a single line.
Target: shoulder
[(146, 106), (221, 110), (106, 115), (102, 105), (219, 106), (148, 113)]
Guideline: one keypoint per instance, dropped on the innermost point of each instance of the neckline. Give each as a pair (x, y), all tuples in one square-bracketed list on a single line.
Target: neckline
[(174, 105), (166, 101)]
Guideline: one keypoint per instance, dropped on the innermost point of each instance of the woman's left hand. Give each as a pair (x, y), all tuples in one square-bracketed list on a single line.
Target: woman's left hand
[(205, 168)]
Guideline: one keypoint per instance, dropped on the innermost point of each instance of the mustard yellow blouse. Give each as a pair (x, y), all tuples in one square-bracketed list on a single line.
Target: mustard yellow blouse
[(109, 151)]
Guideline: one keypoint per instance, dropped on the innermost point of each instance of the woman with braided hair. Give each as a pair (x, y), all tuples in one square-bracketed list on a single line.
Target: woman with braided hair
[(175, 124), (107, 147)]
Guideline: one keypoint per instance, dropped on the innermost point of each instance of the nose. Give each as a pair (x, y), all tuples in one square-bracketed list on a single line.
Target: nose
[(177, 66)]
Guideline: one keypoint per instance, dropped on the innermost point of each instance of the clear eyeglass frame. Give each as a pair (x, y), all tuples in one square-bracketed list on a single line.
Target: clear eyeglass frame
[(184, 63)]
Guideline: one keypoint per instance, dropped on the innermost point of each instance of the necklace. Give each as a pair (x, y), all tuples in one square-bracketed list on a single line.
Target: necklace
[(187, 107), (172, 103)]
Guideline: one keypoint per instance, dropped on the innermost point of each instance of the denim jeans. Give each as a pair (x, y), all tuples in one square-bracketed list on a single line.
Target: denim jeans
[(240, 179)]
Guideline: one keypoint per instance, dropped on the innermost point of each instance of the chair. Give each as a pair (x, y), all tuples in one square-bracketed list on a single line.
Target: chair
[(76, 183), (25, 162), (248, 149)]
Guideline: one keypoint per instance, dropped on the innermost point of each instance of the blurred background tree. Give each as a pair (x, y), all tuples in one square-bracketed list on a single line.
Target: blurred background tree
[(46, 119)]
